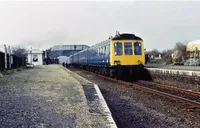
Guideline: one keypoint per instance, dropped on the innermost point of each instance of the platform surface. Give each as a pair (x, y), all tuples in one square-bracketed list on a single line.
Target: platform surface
[(173, 67), (49, 97)]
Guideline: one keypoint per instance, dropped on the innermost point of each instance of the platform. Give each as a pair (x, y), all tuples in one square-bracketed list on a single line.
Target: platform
[(51, 96), (173, 67), (174, 71)]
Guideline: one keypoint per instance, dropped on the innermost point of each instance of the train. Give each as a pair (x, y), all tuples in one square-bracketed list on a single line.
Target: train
[(119, 57)]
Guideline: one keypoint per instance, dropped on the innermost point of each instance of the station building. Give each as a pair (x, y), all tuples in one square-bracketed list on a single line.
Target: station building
[(35, 57)]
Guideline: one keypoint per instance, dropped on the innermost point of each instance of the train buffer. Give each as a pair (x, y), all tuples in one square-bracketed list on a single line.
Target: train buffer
[(51, 96)]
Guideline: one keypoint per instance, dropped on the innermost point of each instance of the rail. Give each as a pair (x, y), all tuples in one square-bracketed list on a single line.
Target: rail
[(159, 90), (184, 91)]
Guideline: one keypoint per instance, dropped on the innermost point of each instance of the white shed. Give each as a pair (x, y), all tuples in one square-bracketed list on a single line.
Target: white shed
[(35, 57)]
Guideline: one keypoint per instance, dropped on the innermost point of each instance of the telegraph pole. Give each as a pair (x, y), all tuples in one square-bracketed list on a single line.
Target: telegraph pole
[(5, 56), (31, 55), (9, 51)]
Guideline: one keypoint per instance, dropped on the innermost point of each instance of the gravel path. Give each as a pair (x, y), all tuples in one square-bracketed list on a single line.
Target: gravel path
[(45, 96), (133, 109)]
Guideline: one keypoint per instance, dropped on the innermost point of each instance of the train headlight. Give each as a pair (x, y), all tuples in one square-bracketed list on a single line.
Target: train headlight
[(117, 62), (139, 61)]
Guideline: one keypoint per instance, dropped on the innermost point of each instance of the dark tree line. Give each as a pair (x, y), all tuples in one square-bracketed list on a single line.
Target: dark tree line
[(19, 51)]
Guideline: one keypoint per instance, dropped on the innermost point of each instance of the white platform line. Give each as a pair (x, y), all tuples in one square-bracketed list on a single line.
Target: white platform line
[(111, 121)]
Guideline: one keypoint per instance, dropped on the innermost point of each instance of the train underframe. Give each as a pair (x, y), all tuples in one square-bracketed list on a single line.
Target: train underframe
[(128, 73)]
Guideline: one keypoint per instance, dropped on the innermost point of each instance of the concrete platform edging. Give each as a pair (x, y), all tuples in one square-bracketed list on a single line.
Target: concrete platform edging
[(175, 72), (111, 121)]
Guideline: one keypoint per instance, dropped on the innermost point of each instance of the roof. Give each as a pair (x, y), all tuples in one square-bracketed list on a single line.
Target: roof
[(69, 47), (126, 36), (194, 42), (37, 51)]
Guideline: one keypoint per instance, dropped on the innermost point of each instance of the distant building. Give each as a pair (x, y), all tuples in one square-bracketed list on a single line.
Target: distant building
[(152, 55), (64, 50), (193, 45), (193, 49), (35, 57), (68, 47)]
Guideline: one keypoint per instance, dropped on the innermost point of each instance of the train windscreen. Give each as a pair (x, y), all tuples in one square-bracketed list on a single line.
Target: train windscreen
[(137, 48), (118, 48), (128, 48)]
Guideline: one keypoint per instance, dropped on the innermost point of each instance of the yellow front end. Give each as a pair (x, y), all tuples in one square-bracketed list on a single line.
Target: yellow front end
[(127, 52)]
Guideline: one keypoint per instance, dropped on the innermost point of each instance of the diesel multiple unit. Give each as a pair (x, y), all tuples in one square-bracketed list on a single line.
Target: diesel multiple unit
[(121, 56)]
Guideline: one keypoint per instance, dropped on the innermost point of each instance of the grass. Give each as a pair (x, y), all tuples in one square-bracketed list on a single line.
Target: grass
[(10, 71)]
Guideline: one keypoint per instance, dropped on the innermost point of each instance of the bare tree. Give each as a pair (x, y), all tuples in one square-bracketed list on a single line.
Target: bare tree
[(166, 56), (180, 52), (155, 52), (19, 51)]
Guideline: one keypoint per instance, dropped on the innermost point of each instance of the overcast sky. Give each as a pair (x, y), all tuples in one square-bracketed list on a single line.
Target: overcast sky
[(44, 24)]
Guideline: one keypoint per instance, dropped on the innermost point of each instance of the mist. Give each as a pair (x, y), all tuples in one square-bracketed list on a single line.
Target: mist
[(43, 24)]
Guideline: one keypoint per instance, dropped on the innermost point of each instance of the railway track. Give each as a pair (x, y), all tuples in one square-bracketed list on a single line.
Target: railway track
[(193, 95), (189, 98)]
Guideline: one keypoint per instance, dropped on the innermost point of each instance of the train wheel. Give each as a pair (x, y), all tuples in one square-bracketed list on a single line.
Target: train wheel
[(112, 73), (119, 72)]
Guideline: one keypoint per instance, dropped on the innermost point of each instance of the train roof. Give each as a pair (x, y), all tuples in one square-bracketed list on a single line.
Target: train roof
[(126, 36)]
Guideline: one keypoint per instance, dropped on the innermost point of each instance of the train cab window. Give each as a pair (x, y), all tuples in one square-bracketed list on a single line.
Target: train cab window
[(128, 49), (137, 48), (118, 48)]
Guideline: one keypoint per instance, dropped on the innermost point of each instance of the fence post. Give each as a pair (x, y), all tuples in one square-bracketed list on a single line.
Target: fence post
[(9, 51), (5, 56)]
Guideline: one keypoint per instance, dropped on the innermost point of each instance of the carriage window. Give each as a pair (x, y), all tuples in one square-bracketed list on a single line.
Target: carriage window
[(118, 48), (108, 49), (128, 48), (137, 48)]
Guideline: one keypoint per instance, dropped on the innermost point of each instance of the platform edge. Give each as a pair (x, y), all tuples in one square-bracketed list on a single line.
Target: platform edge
[(105, 106)]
